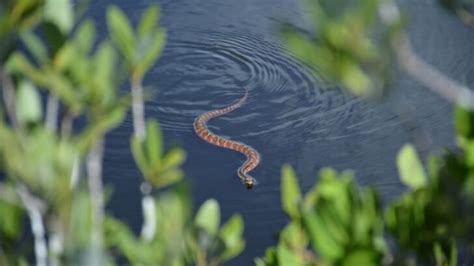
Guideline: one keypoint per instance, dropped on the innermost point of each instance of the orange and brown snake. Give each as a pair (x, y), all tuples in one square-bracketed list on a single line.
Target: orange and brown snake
[(253, 157)]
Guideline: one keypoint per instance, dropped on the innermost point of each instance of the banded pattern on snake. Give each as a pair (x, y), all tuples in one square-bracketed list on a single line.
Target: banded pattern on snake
[(253, 157)]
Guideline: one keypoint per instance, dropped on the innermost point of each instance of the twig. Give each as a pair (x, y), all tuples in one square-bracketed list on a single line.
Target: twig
[(149, 214), (52, 113), (94, 170), (138, 109), (33, 208), (421, 71), (75, 171)]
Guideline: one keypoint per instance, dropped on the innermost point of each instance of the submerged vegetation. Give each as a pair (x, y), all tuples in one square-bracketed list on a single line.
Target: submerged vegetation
[(60, 96)]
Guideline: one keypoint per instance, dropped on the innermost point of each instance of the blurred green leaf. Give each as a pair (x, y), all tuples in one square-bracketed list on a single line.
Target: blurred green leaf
[(291, 195), (166, 178), (148, 22), (287, 257), (294, 236), (105, 64), (60, 12), (149, 50), (354, 78), (10, 221), (173, 158), (208, 216), (85, 36), (321, 239), (121, 32), (28, 103), (138, 154), (364, 257), (64, 57), (410, 168), (231, 235), (464, 122), (35, 46), (154, 142)]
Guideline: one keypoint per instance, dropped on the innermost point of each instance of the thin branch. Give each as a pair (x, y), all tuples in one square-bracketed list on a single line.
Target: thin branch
[(94, 170), (75, 172), (33, 208), (52, 113), (138, 110), (421, 71), (149, 213)]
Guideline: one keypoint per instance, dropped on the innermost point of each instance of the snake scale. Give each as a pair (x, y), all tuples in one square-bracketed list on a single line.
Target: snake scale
[(253, 157)]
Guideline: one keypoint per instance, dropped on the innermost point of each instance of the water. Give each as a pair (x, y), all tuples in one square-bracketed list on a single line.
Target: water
[(216, 47)]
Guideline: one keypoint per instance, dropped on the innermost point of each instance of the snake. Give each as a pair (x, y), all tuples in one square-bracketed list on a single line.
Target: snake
[(253, 157)]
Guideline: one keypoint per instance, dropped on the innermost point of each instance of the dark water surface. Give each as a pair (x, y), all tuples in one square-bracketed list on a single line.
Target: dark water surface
[(216, 47)]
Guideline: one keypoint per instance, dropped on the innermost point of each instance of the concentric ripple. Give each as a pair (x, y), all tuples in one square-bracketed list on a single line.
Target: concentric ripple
[(210, 71)]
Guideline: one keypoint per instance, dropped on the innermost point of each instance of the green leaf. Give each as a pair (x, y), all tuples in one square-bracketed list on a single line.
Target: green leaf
[(138, 154), (321, 240), (362, 257), (294, 236), (173, 158), (121, 32), (35, 46), (287, 256), (28, 103), (60, 12), (105, 63), (154, 142), (85, 36), (354, 78), (231, 231), (208, 216), (149, 21), (166, 178), (18, 63), (149, 50), (291, 194), (64, 57), (410, 168), (10, 220)]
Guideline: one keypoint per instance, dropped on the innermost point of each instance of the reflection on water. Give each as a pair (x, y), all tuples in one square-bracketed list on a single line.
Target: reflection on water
[(215, 48)]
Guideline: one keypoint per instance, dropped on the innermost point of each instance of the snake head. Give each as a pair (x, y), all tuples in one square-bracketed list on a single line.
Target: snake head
[(249, 183), (248, 180)]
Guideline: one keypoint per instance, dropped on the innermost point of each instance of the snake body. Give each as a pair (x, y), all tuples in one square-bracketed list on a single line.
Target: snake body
[(253, 157)]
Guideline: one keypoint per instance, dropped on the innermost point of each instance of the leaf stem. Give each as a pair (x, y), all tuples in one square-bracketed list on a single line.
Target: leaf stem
[(94, 170), (33, 208), (138, 109)]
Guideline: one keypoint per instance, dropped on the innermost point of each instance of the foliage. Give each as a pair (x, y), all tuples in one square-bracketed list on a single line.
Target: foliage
[(338, 223), (60, 98), (340, 44)]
